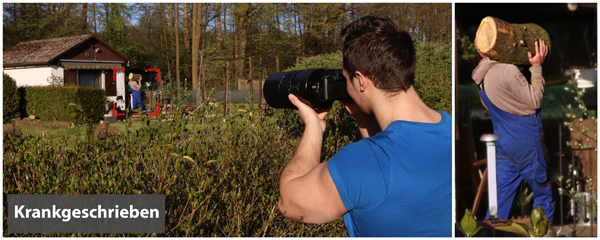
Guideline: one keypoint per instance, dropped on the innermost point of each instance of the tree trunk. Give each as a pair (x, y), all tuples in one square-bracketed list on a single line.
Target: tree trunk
[(219, 33), (509, 42), (170, 35), (101, 131), (176, 25), (83, 20), (241, 13), (163, 26), (195, 42), (17, 127), (186, 40), (197, 21), (94, 6)]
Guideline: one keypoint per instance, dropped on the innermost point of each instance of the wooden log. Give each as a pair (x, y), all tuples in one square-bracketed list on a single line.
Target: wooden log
[(31, 122), (101, 130), (56, 123), (509, 42), (17, 127)]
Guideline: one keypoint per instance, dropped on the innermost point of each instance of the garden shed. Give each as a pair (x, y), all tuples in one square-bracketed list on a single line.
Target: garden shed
[(83, 60)]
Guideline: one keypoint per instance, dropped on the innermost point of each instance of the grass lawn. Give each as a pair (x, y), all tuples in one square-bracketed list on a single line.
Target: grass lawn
[(67, 136), (62, 135)]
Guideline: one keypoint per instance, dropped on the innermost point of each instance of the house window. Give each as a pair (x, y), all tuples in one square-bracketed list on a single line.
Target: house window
[(90, 78)]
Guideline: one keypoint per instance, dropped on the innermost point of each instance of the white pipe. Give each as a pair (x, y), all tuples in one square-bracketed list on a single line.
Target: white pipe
[(490, 142)]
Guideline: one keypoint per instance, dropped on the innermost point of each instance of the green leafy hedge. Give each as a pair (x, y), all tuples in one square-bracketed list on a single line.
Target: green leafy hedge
[(433, 73), (220, 174), (10, 97), (65, 103)]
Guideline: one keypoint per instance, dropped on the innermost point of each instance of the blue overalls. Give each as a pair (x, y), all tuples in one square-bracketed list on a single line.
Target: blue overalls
[(519, 155), (136, 98)]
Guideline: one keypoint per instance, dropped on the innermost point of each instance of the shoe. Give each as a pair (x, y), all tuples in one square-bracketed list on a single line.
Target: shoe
[(566, 231)]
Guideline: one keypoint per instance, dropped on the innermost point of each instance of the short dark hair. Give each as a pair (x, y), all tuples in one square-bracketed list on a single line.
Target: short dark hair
[(377, 48)]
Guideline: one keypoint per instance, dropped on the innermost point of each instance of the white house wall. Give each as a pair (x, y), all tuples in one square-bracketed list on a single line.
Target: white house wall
[(34, 76)]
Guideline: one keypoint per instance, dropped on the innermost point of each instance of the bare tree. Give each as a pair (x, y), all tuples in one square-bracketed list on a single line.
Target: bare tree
[(199, 13)]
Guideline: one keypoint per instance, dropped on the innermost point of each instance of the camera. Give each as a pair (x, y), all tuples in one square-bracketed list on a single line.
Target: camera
[(318, 88)]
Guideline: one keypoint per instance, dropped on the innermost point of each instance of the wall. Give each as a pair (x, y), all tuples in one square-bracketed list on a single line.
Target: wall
[(34, 76)]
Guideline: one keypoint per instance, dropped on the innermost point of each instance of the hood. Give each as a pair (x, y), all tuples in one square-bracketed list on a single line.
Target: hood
[(481, 70)]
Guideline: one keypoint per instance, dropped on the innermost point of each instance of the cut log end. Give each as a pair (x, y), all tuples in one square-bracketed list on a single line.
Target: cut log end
[(508, 42), (485, 39)]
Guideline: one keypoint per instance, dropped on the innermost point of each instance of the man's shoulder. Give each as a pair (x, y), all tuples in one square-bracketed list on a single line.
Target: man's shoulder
[(358, 148), (354, 155), (506, 68), (445, 124)]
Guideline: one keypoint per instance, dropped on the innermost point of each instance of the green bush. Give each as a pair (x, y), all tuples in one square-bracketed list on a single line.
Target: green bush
[(433, 72), (220, 174), (65, 103), (329, 61), (433, 75), (10, 97)]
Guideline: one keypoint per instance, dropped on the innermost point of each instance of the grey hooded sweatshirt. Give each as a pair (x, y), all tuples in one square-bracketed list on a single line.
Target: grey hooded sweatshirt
[(134, 85), (508, 89)]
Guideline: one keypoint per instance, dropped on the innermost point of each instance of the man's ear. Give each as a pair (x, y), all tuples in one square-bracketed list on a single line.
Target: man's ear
[(363, 81)]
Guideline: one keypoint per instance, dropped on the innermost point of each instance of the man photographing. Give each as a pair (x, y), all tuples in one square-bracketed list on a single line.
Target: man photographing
[(396, 181)]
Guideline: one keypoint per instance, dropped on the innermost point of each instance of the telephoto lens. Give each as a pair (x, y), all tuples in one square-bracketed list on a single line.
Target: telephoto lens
[(318, 88)]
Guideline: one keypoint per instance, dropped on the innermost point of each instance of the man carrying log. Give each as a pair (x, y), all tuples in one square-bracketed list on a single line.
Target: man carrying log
[(135, 85), (515, 106)]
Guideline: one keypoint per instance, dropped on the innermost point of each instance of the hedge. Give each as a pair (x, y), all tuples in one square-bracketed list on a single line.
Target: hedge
[(433, 72), (64, 103), (10, 97), (433, 75), (220, 174)]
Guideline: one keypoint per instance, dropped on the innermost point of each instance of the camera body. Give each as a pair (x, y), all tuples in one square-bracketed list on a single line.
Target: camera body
[(318, 88)]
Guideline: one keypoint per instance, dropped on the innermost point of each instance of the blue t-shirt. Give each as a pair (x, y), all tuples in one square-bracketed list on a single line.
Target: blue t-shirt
[(399, 182)]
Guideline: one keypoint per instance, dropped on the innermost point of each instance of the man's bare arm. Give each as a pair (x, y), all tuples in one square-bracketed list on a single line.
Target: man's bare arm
[(308, 193)]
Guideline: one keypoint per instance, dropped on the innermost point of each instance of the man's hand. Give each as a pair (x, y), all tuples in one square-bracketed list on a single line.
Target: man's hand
[(309, 116), (541, 50)]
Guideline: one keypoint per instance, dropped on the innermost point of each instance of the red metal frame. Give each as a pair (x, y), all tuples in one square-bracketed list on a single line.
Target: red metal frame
[(114, 79)]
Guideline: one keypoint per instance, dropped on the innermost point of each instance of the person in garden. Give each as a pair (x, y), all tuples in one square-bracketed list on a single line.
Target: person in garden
[(135, 85), (396, 181), (515, 107)]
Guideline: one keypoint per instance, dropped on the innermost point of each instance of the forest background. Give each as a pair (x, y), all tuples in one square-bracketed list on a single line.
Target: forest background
[(176, 37)]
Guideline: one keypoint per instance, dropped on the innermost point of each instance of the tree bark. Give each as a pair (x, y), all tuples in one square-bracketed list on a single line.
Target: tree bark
[(186, 40), (509, 42), (83, 20), (101, 131), (176, 25), (219, 33), (197, 21), (241, 13), (17, 127), (195, 42)]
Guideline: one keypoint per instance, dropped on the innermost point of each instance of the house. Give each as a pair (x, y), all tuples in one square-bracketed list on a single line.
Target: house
[(83, 60)]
